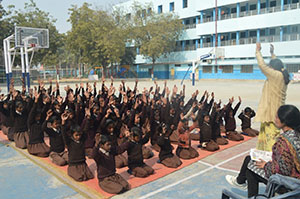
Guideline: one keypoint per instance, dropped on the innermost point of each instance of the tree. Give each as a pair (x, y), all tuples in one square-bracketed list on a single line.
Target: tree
[(6, 27), (154, 34), (96, 36)]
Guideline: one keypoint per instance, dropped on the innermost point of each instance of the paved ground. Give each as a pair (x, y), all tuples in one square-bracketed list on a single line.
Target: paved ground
[(21, 178)]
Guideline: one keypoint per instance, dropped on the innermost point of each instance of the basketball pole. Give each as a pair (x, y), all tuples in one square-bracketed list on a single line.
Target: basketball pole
[(23, 65), (6, 63)]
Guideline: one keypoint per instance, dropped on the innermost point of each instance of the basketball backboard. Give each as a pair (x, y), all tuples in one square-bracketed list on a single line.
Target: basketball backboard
[(36, 37)]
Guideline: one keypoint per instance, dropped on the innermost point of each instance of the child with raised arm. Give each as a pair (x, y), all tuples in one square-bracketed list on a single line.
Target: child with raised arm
[(58, 155), (104, 155), (230, 124), (77, 168), (245, 116), (166, 156), (184, 149), (36, 145), (135, 154)]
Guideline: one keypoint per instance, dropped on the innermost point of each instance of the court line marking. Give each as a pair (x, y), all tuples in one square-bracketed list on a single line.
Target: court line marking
[(218, 167), (192, 176)]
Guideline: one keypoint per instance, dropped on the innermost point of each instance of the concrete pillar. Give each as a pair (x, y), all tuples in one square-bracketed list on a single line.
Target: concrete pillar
[(258, 35), (196, 44), (238, 8), (201, 42), (237, 38), (282, 5), (214, 14), (201, 17), (281, 33), (258, 6)]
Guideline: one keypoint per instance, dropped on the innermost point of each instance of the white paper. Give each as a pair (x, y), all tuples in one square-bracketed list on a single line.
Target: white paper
[(256, 155)]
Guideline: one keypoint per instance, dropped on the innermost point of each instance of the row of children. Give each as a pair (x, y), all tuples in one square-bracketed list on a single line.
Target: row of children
[(113, 130)]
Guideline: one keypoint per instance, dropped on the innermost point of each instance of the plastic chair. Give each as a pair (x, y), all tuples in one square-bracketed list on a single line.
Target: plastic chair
[(275, 182)]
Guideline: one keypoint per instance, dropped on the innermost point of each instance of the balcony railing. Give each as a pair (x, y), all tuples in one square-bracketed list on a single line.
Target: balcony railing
[(290, 37), (254, 12), (271, 38), (190, 26)]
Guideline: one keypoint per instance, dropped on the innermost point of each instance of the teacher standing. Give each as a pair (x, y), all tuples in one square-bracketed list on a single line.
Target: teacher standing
[(273, 96)]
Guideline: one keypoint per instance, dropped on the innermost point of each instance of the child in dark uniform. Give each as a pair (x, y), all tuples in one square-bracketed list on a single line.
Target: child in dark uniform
[(58, 155), (104, 155), (36, 145), (245, 117), (135, 155), (166, 156), (77, 168), (19, 114)]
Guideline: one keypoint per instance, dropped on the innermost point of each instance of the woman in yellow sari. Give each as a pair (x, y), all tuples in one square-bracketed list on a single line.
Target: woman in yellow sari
[(273, 96)]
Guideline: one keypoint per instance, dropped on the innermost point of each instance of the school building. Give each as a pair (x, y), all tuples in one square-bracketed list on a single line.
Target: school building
[(240, 24)]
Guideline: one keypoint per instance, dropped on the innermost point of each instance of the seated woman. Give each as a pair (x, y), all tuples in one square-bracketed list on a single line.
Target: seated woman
[(285, 154)]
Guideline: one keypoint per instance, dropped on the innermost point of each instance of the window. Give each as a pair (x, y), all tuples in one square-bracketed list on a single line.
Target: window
[(233, 10), (207, 69), (263, 32), (272, 31), (233, 35), (247, 69), (263, 5), (243, 34), (227, 69), (243, 8), (293, 68), (253, 7), (295, 1), (273, 4), (184, 3), (160, 9), (252, 33), (171, 6), (294, 29)]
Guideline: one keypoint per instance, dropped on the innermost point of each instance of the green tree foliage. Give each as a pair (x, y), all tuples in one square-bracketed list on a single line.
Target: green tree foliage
[(6, 27), (153, 33), (96, 37)]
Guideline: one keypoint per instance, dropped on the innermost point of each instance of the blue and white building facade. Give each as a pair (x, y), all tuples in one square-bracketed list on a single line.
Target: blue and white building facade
[(240, 24)]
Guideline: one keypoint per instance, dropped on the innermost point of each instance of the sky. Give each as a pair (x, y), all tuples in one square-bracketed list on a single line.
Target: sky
[(58, 9)]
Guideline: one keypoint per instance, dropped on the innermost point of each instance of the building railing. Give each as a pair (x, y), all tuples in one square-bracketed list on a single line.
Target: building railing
[(290, 37), (207, 44), (190, 26), (254, 12)]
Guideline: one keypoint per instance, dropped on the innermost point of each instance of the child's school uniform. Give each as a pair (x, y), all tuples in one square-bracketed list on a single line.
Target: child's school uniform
[(184, 149), (230, 124), (135, 158), (6, 121), (108, 179), (216, 123), (166, 155), (36, 145), (77, 169), (206, 140), (20, 128), (246, 124), (58, 155)]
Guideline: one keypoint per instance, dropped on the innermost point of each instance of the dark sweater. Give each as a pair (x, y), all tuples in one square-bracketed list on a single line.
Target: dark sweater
[(165, 147), (106, 165), (135, 153), (76, 152), (205, 132), (20, 120), (230, 124), (56, 139), (246, 121), (36, 134)]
